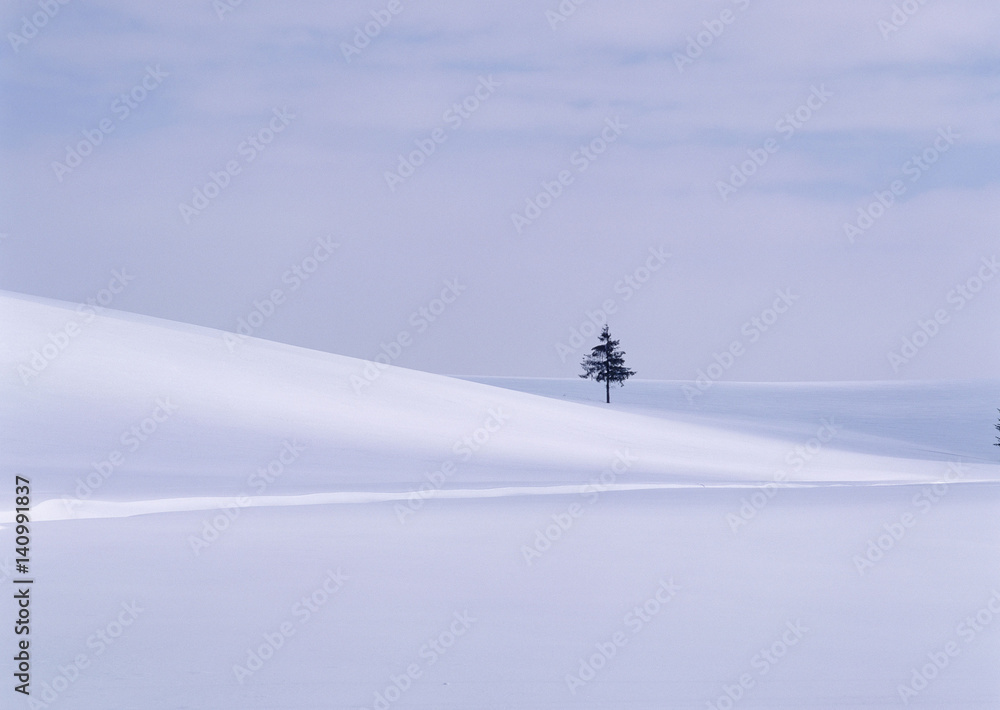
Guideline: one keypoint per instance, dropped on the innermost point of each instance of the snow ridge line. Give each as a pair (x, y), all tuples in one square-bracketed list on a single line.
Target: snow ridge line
[(56, 509)]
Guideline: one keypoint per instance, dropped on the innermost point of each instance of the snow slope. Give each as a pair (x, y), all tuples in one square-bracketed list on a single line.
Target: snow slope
[(235, 406), (940, 420), (236, 526)]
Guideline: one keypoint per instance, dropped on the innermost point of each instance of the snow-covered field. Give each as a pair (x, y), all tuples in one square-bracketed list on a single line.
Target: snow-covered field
[(243, 524)]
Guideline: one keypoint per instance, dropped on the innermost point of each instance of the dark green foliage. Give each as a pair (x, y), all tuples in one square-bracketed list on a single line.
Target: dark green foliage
[(606, 363)]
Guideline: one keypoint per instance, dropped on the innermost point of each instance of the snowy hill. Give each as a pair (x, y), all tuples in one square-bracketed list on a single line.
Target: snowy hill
[(939, 420), (283, 528), (233, 402)]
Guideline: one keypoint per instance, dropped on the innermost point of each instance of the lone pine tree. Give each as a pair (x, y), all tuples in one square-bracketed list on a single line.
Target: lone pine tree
[(606, 363), (998, 429)]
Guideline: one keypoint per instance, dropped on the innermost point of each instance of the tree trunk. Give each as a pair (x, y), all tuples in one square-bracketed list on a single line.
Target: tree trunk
[(607, 374)]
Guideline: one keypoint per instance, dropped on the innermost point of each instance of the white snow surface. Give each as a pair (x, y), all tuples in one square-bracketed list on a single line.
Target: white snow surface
[(812, 544)]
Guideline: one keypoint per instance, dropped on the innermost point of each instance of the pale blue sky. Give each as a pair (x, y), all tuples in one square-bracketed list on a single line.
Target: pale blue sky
[(552, 89)]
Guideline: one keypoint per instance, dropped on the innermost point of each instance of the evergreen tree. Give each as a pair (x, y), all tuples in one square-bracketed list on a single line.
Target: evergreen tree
[(998, 429), (606, 363)]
